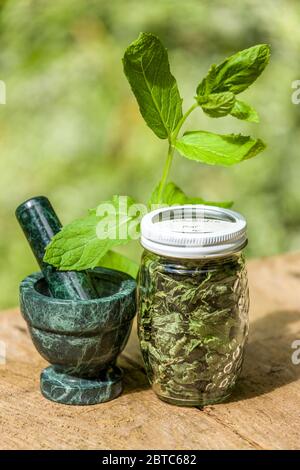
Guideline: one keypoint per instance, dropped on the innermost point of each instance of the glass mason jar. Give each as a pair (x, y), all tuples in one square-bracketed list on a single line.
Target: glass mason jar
[(193, 302)]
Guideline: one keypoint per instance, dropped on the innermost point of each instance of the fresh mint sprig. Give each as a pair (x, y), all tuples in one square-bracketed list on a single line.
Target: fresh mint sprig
[(147, 69), (146, 66)]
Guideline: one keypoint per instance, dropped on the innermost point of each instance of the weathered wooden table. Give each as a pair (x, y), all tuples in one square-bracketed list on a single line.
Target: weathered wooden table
[(264, 412)]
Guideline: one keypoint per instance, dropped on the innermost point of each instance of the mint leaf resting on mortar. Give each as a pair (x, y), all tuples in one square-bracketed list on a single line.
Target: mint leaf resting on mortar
[(146, 66)]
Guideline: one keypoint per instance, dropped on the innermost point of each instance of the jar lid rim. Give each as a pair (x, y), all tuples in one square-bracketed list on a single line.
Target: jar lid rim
[(193, 230)]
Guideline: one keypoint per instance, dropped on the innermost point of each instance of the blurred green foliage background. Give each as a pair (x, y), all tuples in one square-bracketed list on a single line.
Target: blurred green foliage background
[(71, 128)]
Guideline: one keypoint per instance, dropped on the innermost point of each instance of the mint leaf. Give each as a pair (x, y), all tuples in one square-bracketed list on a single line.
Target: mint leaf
[(215, 149), (83, 243), (147, 69), (242, 110), (114, 260), (76, 245), (217, 104), (172, 194), (237, 72)]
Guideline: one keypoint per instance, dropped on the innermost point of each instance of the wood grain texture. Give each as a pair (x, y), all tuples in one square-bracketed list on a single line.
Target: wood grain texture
[(263, 413)]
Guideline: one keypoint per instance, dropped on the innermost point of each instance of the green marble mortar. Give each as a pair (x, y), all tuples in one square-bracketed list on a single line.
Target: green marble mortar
[(80, 338)]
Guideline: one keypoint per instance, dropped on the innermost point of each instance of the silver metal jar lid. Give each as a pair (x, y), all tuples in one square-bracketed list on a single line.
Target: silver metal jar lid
[(193, 231)]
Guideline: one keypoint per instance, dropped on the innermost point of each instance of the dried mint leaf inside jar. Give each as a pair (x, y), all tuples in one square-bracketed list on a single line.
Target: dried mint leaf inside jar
[(190, 325)]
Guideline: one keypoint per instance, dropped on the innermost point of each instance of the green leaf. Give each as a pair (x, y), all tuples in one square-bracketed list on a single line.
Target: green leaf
[(237, 72), (215, 149), (218, 104), (83, 243), (114, 260), (147, 69), (242, 110), (172, 194)]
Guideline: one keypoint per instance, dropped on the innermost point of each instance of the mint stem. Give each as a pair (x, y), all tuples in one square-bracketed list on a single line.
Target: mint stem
[(171, 149), (166, 171)]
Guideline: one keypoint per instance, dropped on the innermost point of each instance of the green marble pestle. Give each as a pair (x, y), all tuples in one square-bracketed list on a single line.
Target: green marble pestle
[(40, 223)]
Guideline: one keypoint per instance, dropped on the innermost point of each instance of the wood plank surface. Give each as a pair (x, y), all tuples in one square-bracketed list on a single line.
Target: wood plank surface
[(263, 413)]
